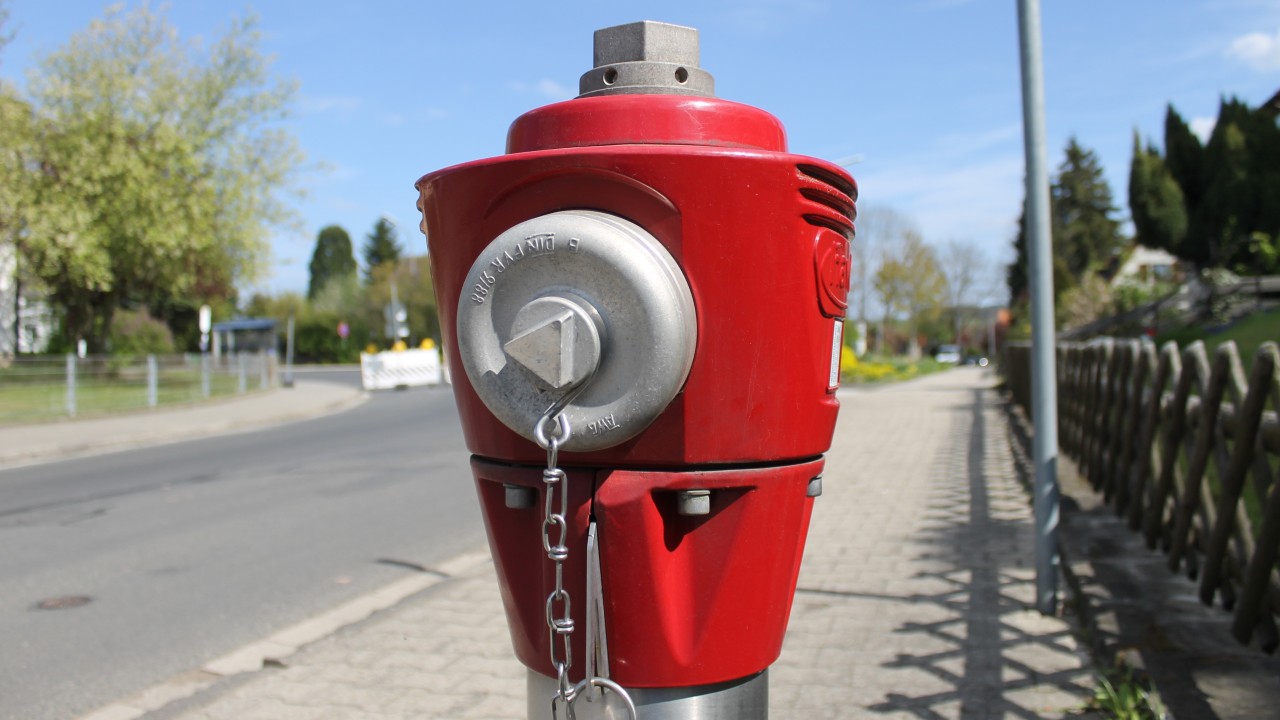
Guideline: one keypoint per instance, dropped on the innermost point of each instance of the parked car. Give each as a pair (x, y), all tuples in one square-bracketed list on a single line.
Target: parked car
[(978, 360), (948, 354)]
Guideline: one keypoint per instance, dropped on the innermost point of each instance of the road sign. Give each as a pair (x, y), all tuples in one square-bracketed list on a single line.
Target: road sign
[(397, 320)]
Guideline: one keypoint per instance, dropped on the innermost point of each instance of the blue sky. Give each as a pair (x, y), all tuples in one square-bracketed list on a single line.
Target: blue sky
[(925, 92)]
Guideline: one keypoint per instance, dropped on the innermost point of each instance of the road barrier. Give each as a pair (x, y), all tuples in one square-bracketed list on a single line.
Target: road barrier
[(399, 368), (1187, 451)]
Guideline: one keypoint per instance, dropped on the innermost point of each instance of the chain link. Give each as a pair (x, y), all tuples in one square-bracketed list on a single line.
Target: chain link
[(559, 605), (559, 613)]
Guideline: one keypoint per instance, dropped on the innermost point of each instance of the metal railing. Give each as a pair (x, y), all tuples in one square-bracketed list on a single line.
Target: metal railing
[(1188, 451), (47, 387)]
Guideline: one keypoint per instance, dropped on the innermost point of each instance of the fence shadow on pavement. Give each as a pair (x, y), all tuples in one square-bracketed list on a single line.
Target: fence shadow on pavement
[(994, 654), (1140, 615)]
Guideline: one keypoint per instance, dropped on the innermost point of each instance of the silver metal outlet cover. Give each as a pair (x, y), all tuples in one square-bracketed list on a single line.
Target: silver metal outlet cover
[(577, 301)]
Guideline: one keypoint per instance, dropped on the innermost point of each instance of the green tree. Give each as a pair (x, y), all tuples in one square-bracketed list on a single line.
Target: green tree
[(316, 337), (380, 246), (1085, 234), (1156, 201), (1016, 272), (1184, 156), (332, 260), (879, 227), (156, 167), (965, 269), (910, 282), (1241, 177), (412, 276), (1228, 188)]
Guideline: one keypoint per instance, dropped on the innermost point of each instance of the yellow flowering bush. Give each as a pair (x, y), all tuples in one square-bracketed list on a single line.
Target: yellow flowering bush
[(869, 370)]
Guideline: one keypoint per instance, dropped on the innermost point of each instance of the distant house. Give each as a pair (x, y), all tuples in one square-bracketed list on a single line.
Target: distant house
[(26, 322), (1146, 266)]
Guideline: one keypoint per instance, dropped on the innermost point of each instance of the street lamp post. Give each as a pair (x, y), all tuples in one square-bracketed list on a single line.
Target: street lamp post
[(1044, 405)]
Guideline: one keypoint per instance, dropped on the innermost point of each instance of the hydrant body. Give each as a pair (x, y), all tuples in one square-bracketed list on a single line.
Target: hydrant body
[(703, 508)]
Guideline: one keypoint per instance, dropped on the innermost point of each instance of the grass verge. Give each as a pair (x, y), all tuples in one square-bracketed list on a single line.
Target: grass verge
[(40, 402), (1248, 333)]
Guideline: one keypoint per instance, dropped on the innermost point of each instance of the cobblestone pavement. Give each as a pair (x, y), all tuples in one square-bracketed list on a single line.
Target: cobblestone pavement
[(915, 599)]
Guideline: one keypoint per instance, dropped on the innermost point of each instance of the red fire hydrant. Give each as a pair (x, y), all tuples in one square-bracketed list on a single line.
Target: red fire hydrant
[(642, 304)]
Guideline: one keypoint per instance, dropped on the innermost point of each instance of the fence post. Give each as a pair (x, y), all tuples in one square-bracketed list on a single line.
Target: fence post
[(204, 374), (151, 381), (262, 370), (243, 382), (71, 384)]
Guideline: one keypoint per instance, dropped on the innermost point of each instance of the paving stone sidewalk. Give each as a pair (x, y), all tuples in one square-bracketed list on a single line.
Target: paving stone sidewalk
[(915, 599)]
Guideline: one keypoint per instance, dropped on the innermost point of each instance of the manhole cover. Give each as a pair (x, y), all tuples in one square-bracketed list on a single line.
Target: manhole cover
[(65, 602)]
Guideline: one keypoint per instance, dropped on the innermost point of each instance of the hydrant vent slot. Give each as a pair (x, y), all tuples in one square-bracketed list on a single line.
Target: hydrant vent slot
[(830, 199), (847, 191)]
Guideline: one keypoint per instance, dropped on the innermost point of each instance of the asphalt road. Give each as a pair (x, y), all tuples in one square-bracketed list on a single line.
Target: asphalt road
[(191, 550)]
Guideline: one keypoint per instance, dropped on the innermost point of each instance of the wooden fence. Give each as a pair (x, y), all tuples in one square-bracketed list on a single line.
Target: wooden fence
[(1185, 449)]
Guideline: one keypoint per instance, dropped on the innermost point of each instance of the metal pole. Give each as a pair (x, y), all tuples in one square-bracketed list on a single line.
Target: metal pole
[(151, 381), (742, 699), (262, 370), (204, 374), (288, 356), (1044, 405), (991, 334), (71, 384), (243, 384)]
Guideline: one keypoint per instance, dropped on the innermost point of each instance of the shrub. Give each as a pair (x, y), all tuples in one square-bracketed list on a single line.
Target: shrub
[(135, 332), (316, 340)]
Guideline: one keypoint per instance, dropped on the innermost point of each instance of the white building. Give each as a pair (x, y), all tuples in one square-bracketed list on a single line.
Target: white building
[(26, 324), (1146, 266)]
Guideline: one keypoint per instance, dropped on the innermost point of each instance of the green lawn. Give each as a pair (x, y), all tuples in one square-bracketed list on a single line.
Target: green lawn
[(22, 402), (1248, 334)]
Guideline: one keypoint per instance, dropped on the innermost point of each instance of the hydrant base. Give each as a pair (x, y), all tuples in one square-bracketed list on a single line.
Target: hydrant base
[(742, 699)]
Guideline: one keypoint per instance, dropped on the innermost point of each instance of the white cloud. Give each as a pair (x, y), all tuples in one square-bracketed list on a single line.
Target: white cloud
[(546, 87), (553, 90), (962, 144), (963, 185), (769, 15), (1203, 127), (329, 173), (1258, 50), (978, 200), (343, 105)]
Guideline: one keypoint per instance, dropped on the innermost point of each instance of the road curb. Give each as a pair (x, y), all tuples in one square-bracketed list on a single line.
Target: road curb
[(273, 649)]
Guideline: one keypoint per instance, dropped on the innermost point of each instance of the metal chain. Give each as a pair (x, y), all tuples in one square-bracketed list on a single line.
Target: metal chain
[(560, 625)]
